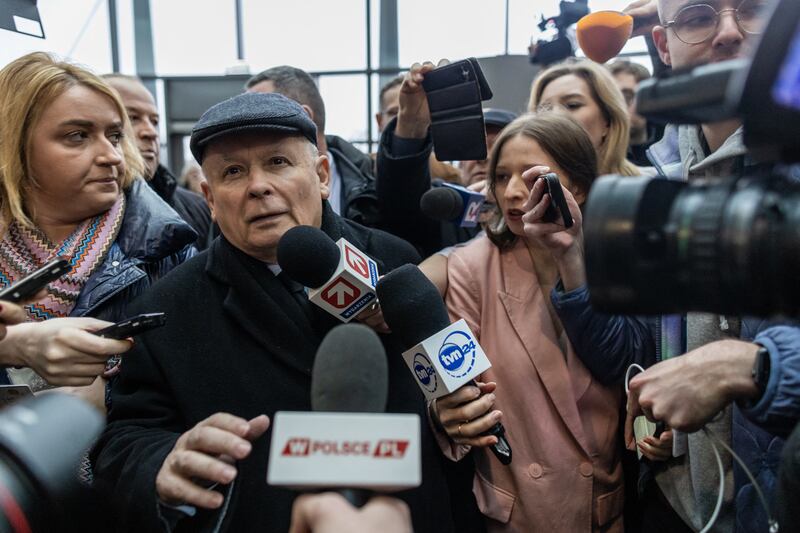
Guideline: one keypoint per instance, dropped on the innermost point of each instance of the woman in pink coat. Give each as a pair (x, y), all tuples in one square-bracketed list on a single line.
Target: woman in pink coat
[(562, 424)]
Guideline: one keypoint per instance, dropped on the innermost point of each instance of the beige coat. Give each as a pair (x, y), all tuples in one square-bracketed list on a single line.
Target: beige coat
[(562, 424)]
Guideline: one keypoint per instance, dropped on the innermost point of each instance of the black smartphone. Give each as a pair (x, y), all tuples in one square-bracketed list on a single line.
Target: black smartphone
[(558, 204), (133, 326), (28, 286)]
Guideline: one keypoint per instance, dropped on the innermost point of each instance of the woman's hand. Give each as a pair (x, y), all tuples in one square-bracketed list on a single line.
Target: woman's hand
[(657, 448), (61, 350), (467, 413), (372, 316), (565, 244), (10, 314)]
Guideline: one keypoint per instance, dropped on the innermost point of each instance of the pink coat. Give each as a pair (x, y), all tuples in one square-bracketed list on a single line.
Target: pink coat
[(562, 424)]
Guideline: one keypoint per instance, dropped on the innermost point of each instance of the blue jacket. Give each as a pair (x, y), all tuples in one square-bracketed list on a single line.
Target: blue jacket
[(152, 241), (609, 344)]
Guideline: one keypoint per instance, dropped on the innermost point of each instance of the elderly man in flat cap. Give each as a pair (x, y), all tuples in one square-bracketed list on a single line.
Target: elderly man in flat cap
[(187, 442)]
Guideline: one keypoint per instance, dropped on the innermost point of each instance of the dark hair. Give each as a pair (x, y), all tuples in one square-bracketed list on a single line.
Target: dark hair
[(623, 66), (296, 84), (563, 139), (391, 84)]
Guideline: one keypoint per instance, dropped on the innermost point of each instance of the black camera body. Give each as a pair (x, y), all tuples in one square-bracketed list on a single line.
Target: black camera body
[(560, 47), (729, 246)]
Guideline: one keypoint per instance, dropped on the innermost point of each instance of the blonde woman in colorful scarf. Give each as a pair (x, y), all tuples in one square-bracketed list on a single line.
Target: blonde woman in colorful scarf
[(70, 187)]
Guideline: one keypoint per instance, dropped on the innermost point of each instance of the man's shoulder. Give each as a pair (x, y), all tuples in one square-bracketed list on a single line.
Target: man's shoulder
[(343, 149), (389, 248), (189, 277)]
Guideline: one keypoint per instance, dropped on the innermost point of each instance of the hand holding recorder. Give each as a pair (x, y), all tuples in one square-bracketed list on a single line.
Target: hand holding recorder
[(554, 219)]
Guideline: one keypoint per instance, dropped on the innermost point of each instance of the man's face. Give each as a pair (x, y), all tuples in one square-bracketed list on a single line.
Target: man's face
[(390, 105), (728, 40), (260, 185), (475, 171), (144, 117), (627, 84)]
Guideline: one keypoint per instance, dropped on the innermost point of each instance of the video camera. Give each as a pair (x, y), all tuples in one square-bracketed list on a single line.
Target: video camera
[(560, 47), (42, 441), (730, 245)]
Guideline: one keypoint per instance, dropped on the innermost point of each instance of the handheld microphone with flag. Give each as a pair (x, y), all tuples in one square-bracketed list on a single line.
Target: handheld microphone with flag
[(452, 203), (444, 357), (348, 442), (341, 277)]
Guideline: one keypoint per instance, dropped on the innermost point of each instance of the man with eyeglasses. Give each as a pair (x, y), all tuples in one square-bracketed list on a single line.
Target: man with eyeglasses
[(726, 360), (720, 350)]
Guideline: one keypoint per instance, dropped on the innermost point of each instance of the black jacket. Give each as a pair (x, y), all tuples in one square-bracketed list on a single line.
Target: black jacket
[(188, 204), (359, 200), (402, 180), (238, 343)]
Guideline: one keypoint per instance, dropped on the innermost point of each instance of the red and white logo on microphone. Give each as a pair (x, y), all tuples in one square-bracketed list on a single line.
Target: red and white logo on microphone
[(384, 448), (341, 293)]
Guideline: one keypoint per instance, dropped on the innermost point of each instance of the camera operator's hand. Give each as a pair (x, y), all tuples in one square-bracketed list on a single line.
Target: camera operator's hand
[(645, 16), (466, 413), (61, 350), (565, 245), (196, 460), (686, 392), (329, 512), (413, 116)]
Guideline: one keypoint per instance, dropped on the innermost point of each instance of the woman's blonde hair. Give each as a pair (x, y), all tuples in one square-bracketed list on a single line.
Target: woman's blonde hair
[(27, 86), (611, 155)]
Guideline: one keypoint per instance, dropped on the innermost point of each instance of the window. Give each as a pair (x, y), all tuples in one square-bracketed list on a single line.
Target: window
[(313, 35), (193, 36)]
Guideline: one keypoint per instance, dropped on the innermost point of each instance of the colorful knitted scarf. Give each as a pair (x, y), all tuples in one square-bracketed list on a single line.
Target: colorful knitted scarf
[(23, 250)]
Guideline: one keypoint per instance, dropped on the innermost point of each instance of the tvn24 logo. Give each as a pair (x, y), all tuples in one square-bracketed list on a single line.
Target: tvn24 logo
[(384, 448), (458, 353)]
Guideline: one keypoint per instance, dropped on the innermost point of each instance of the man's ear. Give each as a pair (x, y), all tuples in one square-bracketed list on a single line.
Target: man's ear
[(209, 198), (660, 40), (308, 111), (323, 169)]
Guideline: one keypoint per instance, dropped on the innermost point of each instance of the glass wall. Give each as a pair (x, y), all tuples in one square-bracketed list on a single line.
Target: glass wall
[(335, 41)]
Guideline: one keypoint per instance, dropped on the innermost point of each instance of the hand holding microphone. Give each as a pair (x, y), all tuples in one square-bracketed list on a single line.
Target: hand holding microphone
[(341, 277), (329, 512), (443, 357), (453, 203), (467, 414)]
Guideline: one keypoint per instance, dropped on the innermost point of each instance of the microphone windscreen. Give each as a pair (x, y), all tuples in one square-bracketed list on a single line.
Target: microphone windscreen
[(603, 34), (411, 305), (441, 203), (350, 373), (308, 256)]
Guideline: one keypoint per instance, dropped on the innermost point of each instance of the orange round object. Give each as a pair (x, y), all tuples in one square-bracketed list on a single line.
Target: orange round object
[(602, 34)]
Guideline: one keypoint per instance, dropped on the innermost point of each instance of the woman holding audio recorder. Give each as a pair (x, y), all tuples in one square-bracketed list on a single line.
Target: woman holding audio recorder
[(70, 186)]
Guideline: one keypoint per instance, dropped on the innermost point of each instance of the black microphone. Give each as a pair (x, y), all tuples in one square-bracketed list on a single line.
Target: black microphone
[(341, 276), (414, 310), (442, 203), (295, 249), (452, 203), (350, 375)]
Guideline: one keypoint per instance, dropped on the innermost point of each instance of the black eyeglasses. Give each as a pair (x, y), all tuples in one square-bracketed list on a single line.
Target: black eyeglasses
[(698, 23)]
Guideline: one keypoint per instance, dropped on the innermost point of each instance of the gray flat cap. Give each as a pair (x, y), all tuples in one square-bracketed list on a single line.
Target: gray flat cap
[(498, 117), (270, 112)]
